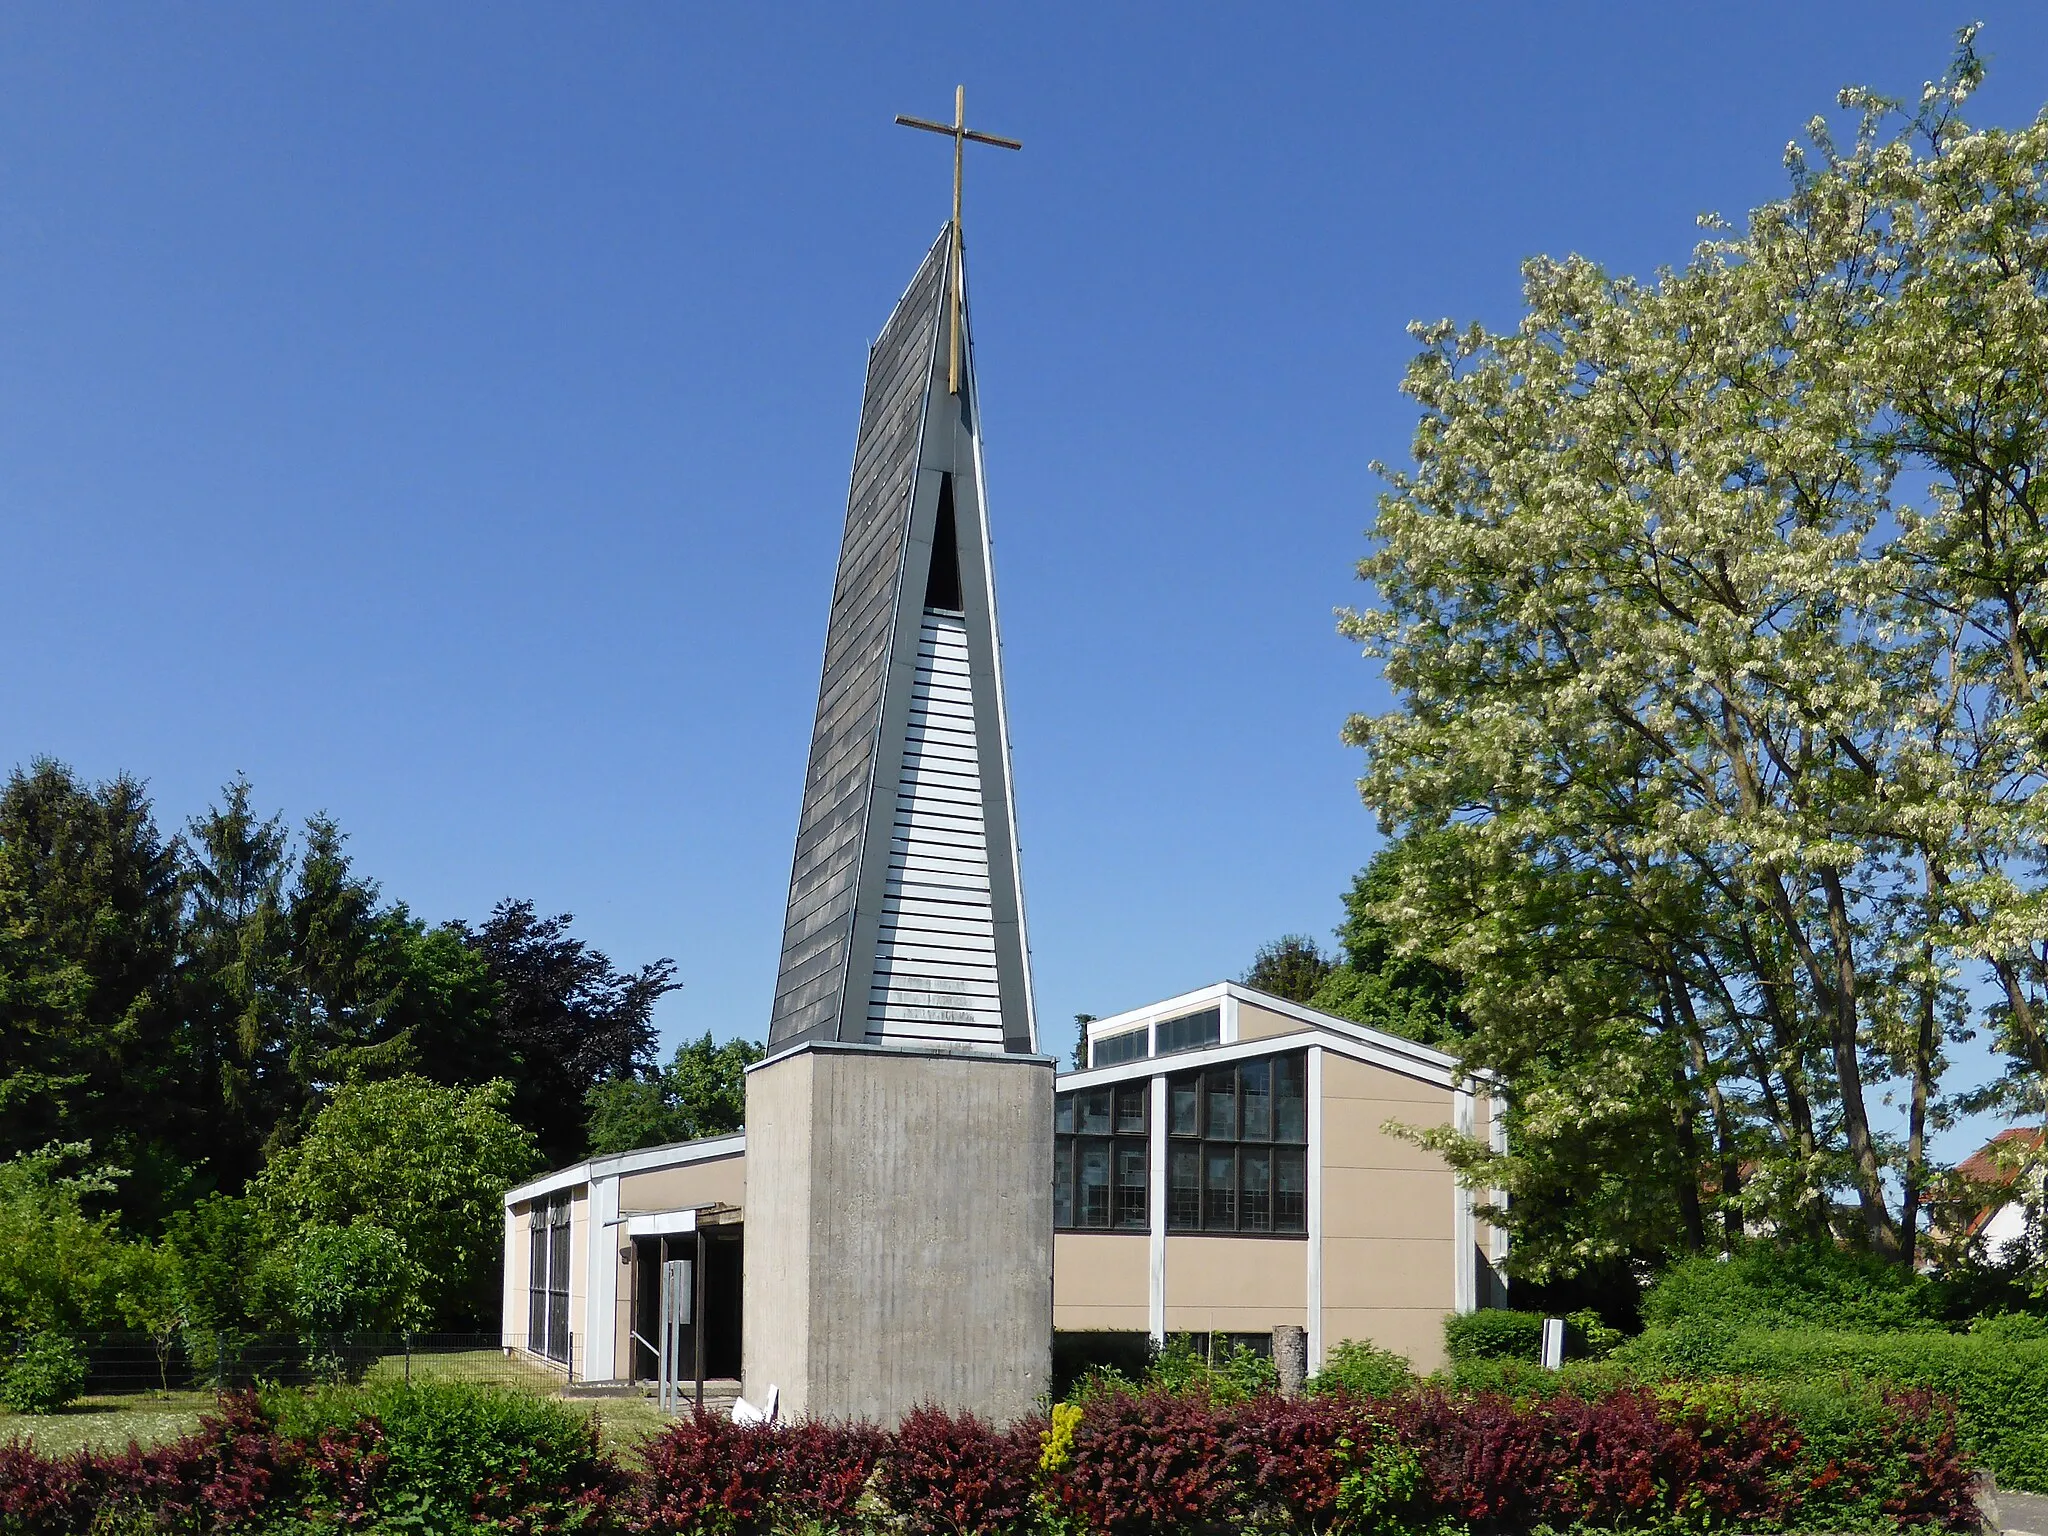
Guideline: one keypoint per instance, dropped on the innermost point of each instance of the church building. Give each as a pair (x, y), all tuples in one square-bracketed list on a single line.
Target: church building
[(918, 1202)]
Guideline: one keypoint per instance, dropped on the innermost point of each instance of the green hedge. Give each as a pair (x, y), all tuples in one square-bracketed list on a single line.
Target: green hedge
[(1493, 1334), (1997, 1379)]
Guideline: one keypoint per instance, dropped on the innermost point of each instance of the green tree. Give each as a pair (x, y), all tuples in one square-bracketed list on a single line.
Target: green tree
[(567, 1018), (427, 1163), (218, 1245), (701, 1092), (60, 1264), (92, 1048), (150, 1297), (237, 952), (1715, 608), (1379, 981), (352, 1279), (1292, 966)]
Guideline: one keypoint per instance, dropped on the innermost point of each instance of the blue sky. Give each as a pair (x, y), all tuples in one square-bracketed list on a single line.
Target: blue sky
[(442, 414)]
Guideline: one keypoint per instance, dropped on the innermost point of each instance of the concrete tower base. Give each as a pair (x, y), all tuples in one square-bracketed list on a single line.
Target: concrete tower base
[(899, 1231)]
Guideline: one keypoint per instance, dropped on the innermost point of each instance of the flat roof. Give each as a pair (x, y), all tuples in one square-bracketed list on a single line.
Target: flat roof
[(669, 1154)]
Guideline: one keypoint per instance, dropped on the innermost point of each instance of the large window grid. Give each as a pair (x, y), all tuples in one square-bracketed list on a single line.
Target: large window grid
[(547, 1278), (1102, 1159), (1236, 1151), (1186, 1032), (1237, 1155)]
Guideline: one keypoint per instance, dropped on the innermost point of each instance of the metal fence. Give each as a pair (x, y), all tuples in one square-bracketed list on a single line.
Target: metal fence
[(122, 1363)]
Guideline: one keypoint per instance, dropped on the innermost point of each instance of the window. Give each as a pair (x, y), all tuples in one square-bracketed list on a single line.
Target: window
[(1236, 1158), (1189, 1031), (1102, 1159), (547, 1278), (1236, 1151), (1128, 1046)]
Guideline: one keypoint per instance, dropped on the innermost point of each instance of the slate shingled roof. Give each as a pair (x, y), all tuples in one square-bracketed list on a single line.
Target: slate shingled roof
[(915, 440)]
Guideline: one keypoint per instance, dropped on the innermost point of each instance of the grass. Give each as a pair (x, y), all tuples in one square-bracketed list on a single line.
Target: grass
[(109, 1422), (487, 1367)]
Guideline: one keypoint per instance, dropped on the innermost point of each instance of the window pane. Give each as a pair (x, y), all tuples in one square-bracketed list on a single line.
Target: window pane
[(1091, 1112), (1063, 1182), (1093, 1195), (1130, 1108), (1184, 1189), (1255, 1169), (1290, 1098), (1290, 1190), (1219, 1087), (1128, 1046), (1063, 1114), (1132, 1210), (1189, 1031), (1219, 1189), (1185, 1095), (1255, 1082)]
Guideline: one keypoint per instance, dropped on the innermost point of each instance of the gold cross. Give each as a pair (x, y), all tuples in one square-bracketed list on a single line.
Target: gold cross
[(960, 134)]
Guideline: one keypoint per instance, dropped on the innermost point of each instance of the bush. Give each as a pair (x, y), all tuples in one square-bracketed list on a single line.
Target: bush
[(1998, 1384), (1493, 1334), (706, 1472), (1146, 1462), (1363, 1370), (1810, 1286), (46, 1374), (1698, 1458), (948, 1476), (1288, 1457), (452, 1455)]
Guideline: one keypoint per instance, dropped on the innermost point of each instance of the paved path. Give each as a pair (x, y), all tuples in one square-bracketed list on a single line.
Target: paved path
[(2023, 1514)]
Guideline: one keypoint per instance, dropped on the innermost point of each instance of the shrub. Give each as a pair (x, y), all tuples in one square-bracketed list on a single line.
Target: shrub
[(1145, 1462), (452, 1455), (1288, 1457), (1082, 1352), (1493, 1334), (959, 1476), (1813, 1286), (46, 1374), (1999, 1386), (706, 1473), (822, 1471), (1363, 1370)]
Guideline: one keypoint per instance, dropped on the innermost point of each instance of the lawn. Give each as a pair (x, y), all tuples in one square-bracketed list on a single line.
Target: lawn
[(109, 1422)]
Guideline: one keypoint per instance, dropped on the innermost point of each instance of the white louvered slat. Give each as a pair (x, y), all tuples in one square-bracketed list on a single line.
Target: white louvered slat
[(935, 980)]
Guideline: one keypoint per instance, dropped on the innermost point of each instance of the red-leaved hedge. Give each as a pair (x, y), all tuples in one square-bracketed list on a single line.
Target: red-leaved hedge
[(1150, 1464)]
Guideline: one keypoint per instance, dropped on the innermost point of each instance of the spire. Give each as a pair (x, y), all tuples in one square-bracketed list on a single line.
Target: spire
[(960, 133), (906, 915)]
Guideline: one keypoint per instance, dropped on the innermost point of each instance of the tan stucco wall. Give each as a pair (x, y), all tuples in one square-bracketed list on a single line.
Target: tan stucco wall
[(1256, 1023), (1235, 1284), (1388, 1213), (579, 1270), (716, 1181), (517, 1258), (1102, 1280)]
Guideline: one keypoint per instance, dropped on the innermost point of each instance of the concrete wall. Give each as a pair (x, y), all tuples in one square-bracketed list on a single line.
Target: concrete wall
[(1389, 1213), (899, 1230)]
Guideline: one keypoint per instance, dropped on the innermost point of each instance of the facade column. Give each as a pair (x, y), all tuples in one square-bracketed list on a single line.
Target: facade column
[(1156, 1267), (1315, 1209)]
